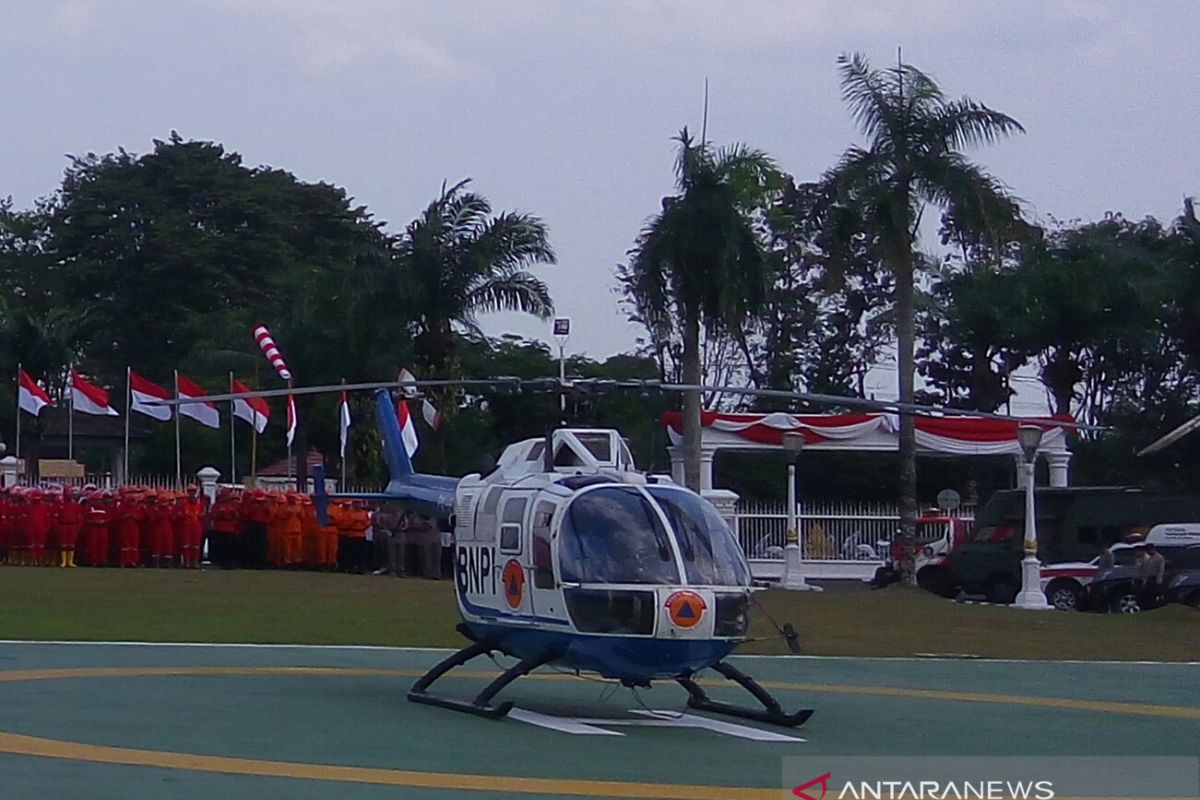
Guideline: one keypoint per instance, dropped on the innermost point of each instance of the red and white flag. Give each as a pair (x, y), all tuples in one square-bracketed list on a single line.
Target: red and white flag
[(144, 395), (205, 413), (433, 417), (88, 398), (31, 398), (252, 409), (266, 343), (408, 431), (291, 420), (344, 423)]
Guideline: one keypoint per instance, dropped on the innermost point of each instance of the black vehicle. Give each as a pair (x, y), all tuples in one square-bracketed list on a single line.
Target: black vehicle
[(1122, 589), (1073, 524), (1185, 588)]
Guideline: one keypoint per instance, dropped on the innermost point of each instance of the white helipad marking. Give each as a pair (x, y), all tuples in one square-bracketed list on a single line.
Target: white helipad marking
[(588, 726)]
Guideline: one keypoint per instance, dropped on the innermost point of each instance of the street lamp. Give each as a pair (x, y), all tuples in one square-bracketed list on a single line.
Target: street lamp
[(1031, 595), (793, 575)]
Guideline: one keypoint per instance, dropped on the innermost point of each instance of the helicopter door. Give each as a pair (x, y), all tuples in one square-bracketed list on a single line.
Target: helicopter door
[(511, 560), (545, 592)]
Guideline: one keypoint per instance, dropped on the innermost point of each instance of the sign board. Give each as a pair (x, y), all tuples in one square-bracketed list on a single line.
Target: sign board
[(948, 500), (562, 326)]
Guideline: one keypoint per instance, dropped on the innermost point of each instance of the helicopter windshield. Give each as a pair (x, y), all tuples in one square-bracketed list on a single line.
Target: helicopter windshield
[(613, 535), (711, 555)]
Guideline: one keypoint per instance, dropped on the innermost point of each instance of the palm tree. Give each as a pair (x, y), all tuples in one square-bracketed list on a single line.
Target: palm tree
[(460, 260), (698, 263), (912, 160)]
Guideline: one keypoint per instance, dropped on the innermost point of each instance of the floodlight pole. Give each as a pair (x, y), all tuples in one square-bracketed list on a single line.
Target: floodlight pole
[(1031, 596), (793, 567), (562, 332)]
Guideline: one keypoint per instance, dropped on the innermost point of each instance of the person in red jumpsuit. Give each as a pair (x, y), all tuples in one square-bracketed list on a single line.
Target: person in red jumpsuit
[(96, 519), (190, 516), (39, 521), (19, 539), (160, 526), (6, 526), (68, 525), (223, 549), (129, 528)]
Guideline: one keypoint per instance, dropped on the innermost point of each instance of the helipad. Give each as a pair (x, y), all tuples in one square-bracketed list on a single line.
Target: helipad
[(147, 721)]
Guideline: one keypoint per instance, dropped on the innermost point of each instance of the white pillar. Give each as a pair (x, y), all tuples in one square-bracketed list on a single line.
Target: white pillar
[(1059, 468), (706, 468), (676, 454), (8, 472), (793, 566), (208, 477), (1019, 461), (1031, 595)]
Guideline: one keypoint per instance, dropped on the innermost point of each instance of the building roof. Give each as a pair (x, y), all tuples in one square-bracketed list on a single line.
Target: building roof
[(280, 468)]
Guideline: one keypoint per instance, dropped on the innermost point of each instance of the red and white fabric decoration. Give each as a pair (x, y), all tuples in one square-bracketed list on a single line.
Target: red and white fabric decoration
[(88, 398), (143, 396), (253, 410), (204, 412), (31, 398), (291, 420), (408, 431), (975, 436), (344, 423), (266, 343), (407, 377), (433, 417)]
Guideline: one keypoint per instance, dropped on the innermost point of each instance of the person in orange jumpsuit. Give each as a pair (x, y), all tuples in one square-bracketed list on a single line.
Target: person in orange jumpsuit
[(275, 515), (327, 540), (352, 525), (6, 526), (310, 536), (39, 521), (130, 515), (96, 518), (290, 531), (191, 527), (67, 527), (223, 545)]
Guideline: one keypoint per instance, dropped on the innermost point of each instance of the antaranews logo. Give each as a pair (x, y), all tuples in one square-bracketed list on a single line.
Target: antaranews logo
[(928, 790)]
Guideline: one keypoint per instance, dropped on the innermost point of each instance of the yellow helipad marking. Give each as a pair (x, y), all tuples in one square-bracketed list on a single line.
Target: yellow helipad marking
[(1104, 706), (53, 748)]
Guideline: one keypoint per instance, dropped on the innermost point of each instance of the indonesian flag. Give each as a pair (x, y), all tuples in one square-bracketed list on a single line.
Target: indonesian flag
[(344, 423), (433, 417), (406, 376), (252, 409), (291, 420), (144, 395), (408, 431), (89, 398), (205, 413), (31, 398)]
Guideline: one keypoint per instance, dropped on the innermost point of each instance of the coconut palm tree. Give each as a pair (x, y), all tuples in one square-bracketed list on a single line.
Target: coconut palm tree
[(459, 260), (698, 263), (913, 160)]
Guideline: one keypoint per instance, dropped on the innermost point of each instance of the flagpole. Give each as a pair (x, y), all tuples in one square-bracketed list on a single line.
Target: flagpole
[(18, 455), (286, 421), (232, 438), (178, 458), (129, 413), (71, 418), (342, 410), (254, 441)]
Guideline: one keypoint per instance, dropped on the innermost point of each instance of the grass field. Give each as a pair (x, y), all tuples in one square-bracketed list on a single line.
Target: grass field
[(307, 608)]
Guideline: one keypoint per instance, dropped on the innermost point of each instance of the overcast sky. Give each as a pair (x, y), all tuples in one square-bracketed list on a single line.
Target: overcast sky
[(567, 109)]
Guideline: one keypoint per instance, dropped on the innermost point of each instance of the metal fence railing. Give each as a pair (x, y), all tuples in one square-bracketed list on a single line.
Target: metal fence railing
[(828, 531)]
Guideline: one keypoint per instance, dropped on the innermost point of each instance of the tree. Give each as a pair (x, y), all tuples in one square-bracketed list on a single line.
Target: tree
[(913, 159), (460, 261), (699, 263)]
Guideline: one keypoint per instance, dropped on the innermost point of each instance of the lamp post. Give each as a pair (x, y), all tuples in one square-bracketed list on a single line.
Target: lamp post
[(1031, 595), (793, 575)]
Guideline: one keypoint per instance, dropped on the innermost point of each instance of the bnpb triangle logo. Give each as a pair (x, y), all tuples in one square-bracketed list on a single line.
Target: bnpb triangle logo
[(686, 609)]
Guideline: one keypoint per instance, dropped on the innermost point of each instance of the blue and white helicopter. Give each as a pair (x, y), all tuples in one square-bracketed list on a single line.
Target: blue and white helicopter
[(566, 555)]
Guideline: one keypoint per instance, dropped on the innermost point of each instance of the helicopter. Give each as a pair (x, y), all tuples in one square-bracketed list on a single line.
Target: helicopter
[(566, 556)]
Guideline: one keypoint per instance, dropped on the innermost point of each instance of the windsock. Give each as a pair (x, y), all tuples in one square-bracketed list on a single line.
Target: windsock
[(267, 344)]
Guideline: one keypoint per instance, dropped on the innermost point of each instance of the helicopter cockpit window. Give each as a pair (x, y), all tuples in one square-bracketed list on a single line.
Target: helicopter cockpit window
[(613, 535), (711, 555), (543, 567)]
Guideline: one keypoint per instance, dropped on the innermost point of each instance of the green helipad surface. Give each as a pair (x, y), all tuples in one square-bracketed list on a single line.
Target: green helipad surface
[(132, 721)]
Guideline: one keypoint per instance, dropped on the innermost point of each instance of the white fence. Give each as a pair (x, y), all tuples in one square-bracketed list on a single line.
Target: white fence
[(837, 540)]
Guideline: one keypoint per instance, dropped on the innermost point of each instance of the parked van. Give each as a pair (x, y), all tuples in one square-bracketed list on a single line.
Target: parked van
[(1073, 524)]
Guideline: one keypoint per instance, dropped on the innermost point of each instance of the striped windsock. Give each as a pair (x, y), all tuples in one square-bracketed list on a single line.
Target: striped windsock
[(271, 351)]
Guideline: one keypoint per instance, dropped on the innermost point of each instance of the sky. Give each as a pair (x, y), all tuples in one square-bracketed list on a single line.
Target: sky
[(567, 110)]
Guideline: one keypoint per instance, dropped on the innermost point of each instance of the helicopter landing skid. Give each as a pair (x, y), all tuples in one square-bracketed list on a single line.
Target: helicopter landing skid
[(771, 712), (481, 705)]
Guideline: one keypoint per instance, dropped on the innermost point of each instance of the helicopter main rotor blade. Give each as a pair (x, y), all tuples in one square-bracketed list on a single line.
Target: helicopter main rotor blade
[(1168, 439)]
